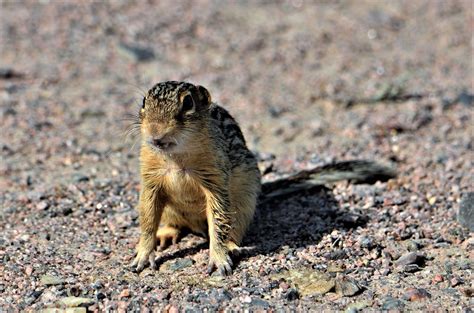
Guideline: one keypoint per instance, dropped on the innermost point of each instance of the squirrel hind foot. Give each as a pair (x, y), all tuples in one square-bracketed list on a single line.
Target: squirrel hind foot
[(167, 235)]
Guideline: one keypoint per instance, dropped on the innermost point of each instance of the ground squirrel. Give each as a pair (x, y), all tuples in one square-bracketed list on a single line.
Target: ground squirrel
[(197, 173)]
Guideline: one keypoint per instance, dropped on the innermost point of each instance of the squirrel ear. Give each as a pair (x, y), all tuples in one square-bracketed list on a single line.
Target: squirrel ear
[(204, 96)]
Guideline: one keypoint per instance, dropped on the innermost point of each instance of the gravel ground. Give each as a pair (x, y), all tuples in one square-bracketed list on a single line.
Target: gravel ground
[(310, 83)]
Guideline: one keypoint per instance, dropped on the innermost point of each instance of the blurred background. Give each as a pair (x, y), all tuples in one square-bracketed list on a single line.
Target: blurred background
[(309, 82), (290, 71)]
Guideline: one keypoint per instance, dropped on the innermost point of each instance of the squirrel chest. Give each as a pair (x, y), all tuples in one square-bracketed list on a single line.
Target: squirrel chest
[(178, 184), (181, 188)]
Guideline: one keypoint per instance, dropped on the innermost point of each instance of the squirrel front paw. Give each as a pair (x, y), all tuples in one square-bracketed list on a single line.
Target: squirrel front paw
[(145, 255), (220, 261)]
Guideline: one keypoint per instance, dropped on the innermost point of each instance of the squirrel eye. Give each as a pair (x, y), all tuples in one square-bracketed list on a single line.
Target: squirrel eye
[(143, 103), (188, 103)]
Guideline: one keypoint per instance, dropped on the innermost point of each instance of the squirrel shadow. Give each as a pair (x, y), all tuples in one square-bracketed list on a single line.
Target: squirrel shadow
[(297, 220)]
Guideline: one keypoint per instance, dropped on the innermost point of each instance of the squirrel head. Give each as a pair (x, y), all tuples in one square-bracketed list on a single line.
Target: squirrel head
[(171, 113)]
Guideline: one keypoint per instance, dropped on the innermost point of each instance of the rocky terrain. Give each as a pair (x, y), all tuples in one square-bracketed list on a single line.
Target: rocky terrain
[(310, 83)]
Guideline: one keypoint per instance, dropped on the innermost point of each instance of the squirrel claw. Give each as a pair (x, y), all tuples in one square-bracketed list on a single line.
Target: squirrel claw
[(141, 261), (223, 268)]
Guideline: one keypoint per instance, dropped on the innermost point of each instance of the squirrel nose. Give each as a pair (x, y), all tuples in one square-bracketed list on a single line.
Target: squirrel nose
[(162, 142)]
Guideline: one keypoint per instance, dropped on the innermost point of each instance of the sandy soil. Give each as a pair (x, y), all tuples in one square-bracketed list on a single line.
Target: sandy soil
[(310, 83)]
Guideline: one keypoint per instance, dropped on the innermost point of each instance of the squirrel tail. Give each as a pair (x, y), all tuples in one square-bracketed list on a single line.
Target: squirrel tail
[(358, 171)]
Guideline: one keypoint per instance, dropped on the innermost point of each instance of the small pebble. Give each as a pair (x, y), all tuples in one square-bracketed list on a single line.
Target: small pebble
[(438, 278), (50, 280), (292, 294), (124, 294), (347, 287), (42, 205), (466, 211), (29, 270), (410, 258), (455, 281), (76, 301), (173, 309), (416, 294), (392, 304), (246, 299)]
